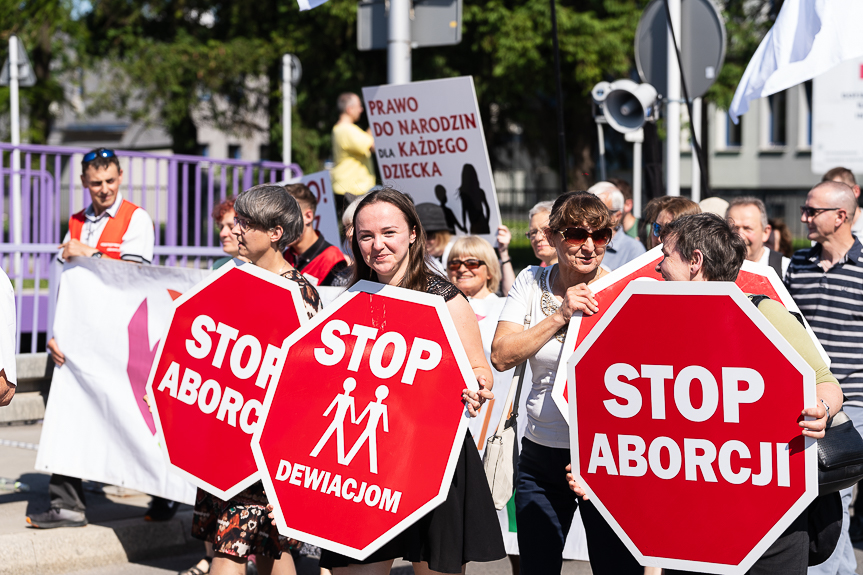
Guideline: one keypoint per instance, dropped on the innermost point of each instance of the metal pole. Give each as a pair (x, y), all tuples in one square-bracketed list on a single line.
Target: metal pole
[(672, 120), (286, 108), (16, 138), (637, 139), (399, 42), (601, 138), (561, 132), (696, 166), (16, 173)]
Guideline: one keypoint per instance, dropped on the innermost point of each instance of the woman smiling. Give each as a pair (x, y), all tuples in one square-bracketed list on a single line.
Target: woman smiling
[(579, 230), (389, 247)]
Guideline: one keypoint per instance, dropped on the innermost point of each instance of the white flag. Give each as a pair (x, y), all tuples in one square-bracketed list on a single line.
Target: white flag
[(309, 4), (808, 38)]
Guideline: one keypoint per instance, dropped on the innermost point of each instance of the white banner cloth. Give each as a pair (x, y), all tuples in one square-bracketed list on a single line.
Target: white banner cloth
[(309, 4), (110, 316), (808, 38)]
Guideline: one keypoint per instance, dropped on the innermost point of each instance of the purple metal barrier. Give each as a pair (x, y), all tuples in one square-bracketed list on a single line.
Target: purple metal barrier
[(179, 192)]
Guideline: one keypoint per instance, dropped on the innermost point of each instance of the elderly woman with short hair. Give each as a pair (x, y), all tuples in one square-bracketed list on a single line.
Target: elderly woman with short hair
[(579, 230), (538, 222), (267, 219)]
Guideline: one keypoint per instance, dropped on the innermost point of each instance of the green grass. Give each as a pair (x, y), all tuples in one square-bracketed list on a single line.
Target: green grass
[(30, 284)]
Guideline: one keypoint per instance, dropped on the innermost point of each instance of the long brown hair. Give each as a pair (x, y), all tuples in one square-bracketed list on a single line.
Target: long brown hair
[(418, 272)]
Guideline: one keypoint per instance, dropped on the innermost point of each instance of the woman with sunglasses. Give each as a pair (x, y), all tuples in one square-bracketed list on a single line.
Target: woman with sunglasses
[(579, 229), (267, 219), (389, 247)]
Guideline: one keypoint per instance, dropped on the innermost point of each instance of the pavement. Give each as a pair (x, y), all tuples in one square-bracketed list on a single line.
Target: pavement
[(118, 541), (117, 532)]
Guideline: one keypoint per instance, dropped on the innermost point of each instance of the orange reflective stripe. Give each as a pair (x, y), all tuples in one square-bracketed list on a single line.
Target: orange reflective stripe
[(112, 235)]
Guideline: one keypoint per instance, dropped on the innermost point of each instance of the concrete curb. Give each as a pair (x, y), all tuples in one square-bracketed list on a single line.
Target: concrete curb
[(34, 380), (55, 551)]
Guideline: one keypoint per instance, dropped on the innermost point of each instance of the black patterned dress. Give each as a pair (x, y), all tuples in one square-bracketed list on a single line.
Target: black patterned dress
[(463, 528), (240, 526)]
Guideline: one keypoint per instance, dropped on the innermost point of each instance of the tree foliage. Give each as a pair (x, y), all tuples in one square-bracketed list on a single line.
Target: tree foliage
[(175, 63), (746, 23), (51, 36)]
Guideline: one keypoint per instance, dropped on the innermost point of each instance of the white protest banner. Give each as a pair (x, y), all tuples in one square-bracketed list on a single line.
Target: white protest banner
[(110, 316), (326, 221), (837, 118), (430, 144)]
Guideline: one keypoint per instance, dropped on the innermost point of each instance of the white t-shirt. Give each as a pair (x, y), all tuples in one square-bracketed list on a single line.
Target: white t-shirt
[(765, 257), (545, 424), (137, 244), (7, 329)]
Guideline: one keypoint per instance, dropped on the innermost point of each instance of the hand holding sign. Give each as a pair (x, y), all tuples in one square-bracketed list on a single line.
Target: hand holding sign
[(212, 370), (381, 367), (705, 410)]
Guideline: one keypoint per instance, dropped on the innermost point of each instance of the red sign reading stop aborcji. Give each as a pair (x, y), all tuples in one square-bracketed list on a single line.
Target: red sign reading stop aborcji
[(753, 278), (223, 348), (697, 419), (362, 434)]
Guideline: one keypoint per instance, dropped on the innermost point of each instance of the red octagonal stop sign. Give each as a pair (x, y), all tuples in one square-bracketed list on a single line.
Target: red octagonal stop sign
[(687, 439), (212, 371), (753, 278), (363, 432)]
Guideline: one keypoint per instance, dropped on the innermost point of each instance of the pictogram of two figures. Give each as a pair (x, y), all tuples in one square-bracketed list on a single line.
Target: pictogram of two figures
[(375, 410)]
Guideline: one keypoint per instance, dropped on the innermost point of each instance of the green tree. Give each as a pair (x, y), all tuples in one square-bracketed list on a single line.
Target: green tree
[(53, 38), (220, 60), (746, 23)]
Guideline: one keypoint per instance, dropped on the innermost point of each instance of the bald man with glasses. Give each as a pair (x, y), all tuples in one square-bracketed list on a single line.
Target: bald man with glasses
[(826, 282)]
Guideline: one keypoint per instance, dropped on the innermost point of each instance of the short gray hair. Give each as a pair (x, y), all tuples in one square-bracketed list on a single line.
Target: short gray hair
[(345, 100), (540, 208), (270, 206), (603, 189), (751, 201)]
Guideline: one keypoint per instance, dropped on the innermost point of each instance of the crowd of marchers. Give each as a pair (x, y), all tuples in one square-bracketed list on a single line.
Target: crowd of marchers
[(578, 238)]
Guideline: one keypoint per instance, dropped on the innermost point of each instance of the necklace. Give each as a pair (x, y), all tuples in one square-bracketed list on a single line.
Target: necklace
[(548, 304)]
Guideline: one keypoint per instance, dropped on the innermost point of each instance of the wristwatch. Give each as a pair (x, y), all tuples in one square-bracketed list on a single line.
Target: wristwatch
[(96, 255)]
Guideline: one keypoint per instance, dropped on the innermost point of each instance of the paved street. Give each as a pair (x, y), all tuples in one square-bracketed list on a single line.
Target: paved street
[(174, 564), (110, 507)]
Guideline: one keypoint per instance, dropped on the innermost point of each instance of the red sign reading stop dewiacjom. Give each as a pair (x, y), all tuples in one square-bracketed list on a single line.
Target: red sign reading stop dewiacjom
[(753, 278), (686, 436), (362, 434), (223, 348)]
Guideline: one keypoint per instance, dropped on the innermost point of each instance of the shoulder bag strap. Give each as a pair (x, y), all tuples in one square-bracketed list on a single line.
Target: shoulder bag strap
[(514, 394)]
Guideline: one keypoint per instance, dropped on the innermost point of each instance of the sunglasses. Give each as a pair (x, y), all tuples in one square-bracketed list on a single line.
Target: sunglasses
[(657, 230), (810, 212), (469, 264), (102, 153), (577, 236)]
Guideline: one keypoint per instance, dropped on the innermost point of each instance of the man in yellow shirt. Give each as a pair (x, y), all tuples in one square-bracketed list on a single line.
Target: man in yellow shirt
[(353, 172)]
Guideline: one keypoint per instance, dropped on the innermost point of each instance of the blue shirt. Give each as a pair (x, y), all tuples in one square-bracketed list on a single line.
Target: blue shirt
[(621, 250), (832, 303)]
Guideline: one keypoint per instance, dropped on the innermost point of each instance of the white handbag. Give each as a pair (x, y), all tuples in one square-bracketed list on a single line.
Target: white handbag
[(500, 458)]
